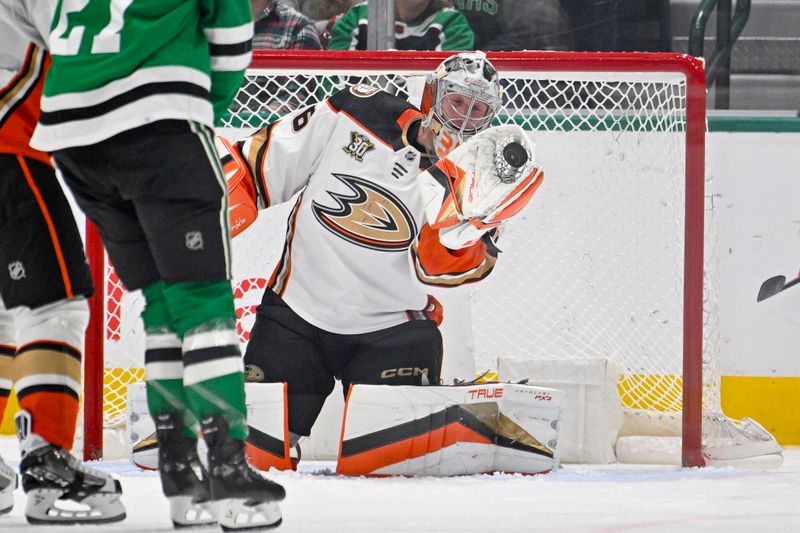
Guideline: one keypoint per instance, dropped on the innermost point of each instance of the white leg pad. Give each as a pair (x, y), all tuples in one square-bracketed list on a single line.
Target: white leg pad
[(446, 431)]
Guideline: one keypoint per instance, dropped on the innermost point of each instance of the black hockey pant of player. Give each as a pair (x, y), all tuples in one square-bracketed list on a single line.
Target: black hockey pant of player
[(285, 348)]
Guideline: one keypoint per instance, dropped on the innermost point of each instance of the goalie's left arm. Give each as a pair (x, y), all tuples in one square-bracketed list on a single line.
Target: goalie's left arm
[(436, 264), (468, 195), (481, 184)]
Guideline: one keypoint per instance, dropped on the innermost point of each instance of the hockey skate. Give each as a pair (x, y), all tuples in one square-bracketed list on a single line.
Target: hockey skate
[(8, 482), (59, 488), (247, 501), (183, 477)]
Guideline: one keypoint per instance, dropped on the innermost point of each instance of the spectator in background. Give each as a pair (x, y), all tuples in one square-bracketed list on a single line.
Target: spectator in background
[(278, 26), (515, 25), (325, 13), (419, 25), (322, 9)]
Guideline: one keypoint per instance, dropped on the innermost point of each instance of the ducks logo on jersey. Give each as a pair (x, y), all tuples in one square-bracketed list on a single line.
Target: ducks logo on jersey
[(368, 215)]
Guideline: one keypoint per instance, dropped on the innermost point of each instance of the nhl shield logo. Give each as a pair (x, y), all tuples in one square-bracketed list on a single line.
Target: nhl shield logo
[(359, 146), (194, 240), (16, 270)]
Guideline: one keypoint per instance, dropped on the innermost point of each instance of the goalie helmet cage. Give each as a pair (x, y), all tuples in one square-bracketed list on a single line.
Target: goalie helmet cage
[(571, 97)]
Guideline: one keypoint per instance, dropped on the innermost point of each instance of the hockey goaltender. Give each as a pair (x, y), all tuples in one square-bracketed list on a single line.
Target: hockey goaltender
[(387, 201)]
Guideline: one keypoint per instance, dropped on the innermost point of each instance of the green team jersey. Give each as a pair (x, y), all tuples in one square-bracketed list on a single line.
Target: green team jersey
[(120, 64), (433, 29)]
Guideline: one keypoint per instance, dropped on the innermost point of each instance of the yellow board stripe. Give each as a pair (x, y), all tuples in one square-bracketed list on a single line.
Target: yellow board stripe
[(115, 394), (774, 402)]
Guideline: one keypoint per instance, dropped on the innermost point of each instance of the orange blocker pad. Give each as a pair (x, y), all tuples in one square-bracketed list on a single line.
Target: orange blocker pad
[(449, 431)]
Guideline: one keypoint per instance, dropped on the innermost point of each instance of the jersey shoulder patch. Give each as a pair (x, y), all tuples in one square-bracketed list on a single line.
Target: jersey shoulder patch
[(383, 114)]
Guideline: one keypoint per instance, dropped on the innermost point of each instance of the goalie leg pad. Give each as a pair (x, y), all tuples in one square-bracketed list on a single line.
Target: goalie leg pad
[(268, 440), (445, 431)]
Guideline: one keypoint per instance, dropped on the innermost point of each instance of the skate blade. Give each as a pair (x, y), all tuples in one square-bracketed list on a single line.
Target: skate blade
[(187, 514), (236, 515), (44, 507)]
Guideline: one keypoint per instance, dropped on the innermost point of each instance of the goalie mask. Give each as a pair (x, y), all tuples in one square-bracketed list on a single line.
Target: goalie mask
[(460, 99)]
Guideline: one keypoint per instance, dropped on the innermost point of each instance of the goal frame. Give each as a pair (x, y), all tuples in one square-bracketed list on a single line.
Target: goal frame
[(625, 62)]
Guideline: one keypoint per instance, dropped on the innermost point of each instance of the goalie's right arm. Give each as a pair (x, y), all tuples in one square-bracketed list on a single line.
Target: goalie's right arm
[(242, 196), (275, 162)]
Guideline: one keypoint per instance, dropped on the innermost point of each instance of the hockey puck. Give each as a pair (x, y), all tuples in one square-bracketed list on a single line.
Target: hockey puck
[(515, 154)]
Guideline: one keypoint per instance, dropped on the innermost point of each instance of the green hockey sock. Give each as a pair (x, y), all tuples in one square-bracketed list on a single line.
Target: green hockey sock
[(163, 361), (225, 395), (203, 316), (194, 304)]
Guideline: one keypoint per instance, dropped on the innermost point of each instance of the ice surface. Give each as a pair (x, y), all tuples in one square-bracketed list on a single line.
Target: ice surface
[(577, 498)]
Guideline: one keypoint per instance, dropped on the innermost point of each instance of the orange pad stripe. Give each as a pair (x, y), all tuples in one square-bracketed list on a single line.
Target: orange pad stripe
[(258, 446), (365, 463), (264, 460)]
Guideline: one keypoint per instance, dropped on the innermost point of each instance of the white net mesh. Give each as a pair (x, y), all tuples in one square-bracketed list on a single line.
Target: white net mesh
[(592, 269)]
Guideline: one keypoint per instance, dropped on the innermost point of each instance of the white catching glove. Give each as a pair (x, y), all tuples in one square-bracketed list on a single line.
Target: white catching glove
[(485, 181)]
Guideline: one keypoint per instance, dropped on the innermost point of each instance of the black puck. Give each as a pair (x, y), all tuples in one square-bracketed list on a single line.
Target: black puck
[(515, 155)]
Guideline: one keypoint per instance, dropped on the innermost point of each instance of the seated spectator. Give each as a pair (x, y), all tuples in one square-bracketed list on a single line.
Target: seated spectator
[(324, 13), (514, 25), (278, 26), (419, 25), (319, 10)]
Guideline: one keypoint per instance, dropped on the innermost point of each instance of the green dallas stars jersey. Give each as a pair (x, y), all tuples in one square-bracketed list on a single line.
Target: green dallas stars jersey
[(434, 29), (120, 64)]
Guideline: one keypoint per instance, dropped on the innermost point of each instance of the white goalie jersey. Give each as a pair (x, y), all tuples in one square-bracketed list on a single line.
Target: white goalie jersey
[(358, 253)]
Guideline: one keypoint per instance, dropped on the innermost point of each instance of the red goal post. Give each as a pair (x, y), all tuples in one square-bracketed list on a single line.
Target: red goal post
[(529, 65)]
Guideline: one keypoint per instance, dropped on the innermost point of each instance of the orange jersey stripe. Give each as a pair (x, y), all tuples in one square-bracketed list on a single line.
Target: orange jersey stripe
[(62, 264), (280, 276), (19, 106)]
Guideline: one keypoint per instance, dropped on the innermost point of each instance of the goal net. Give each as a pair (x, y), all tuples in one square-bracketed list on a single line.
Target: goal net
[(607, 263)]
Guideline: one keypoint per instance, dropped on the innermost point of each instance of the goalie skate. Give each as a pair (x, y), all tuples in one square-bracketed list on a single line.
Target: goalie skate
[(8, 482), (247, 501), (183, 477)]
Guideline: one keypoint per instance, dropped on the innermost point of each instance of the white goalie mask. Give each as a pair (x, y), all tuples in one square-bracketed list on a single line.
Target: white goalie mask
[(460, 99)]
